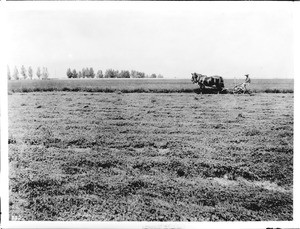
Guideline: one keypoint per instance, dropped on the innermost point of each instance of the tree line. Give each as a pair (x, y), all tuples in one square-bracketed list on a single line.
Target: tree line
[(109, 73), (41, 73)]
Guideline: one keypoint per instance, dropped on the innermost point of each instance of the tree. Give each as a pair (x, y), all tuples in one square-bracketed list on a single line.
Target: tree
[(99, 74), (153, 75), (38, 73), (160, 76), (75, 74), (30, 73), (110, 73), (8, 73), (141, 75), (85, 73), (91, 73), (137, 74), (79, 74), (133, 74), (69, 73), (23, 72), (45, 73), (16, 74), (124, 74)]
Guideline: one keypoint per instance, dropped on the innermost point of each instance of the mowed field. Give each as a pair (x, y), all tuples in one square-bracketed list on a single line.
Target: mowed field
[(142, 85), (150, 156)]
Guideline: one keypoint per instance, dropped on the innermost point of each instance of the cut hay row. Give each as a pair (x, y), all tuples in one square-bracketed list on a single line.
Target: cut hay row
[(134, 90), (140, 86)]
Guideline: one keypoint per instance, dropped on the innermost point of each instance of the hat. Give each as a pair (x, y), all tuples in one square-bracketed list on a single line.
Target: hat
[(247, 75)]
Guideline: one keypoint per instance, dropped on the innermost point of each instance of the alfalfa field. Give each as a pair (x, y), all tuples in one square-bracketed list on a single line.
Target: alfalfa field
[(115, 156)]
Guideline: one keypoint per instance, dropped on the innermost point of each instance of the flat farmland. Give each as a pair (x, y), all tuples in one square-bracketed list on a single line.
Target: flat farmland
[(142, 85), (150, 156)]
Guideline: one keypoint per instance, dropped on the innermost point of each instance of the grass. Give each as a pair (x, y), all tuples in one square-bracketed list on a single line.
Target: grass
[(150, 157), (139, 85)]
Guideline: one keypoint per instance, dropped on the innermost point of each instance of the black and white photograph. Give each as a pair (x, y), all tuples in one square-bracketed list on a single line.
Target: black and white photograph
[(150, 112)]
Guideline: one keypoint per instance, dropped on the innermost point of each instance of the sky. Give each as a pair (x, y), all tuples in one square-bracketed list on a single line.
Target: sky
[(174, 40)]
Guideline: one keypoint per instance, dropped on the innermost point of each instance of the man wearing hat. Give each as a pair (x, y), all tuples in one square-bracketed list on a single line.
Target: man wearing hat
[(246, 83), (247, 80)]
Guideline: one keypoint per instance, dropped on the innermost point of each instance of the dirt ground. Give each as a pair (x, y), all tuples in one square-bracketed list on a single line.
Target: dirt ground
[(150, 157)]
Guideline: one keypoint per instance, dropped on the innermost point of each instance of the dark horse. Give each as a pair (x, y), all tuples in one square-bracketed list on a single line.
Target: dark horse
[(208, 82)]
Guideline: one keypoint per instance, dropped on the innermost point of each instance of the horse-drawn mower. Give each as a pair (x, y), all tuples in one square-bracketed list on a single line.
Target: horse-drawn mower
[(241, 89), (215, 85)]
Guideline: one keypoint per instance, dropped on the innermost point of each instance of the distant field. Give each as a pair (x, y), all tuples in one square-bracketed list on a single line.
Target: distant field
[(150, 156), (142, 85)]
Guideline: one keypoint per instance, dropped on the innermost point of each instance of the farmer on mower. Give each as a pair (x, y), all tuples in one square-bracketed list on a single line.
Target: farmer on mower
[(246, 83), (242, 88)]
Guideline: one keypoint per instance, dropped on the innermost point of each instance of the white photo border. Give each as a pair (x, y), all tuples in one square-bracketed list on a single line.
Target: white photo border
[(7, 7)]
